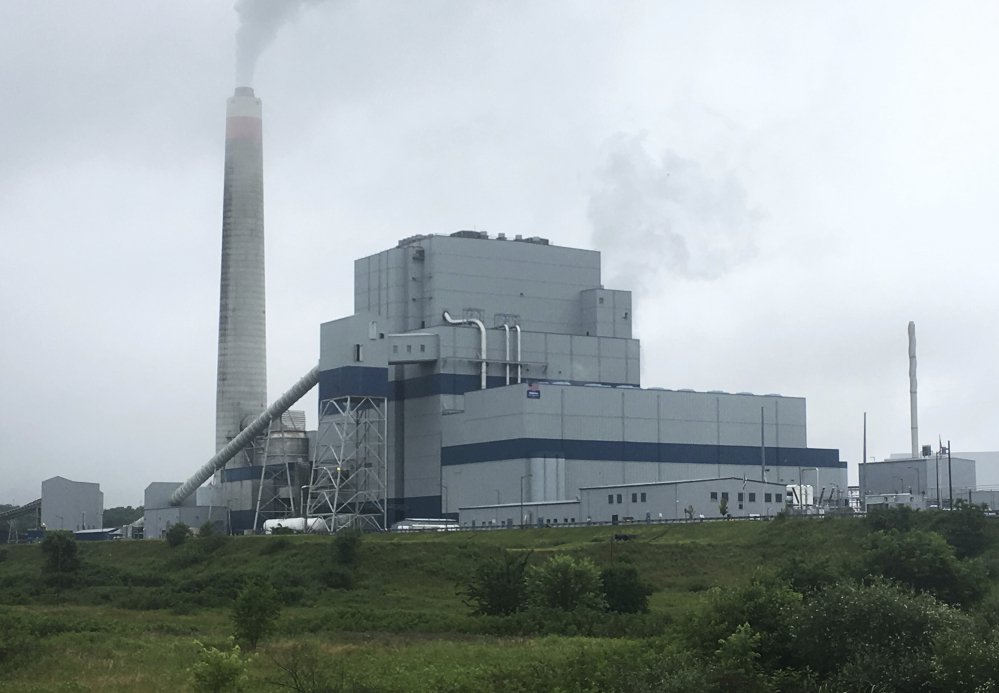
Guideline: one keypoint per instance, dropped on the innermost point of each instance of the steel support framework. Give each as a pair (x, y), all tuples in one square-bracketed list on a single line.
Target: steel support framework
[(272, 504), (349, 475)]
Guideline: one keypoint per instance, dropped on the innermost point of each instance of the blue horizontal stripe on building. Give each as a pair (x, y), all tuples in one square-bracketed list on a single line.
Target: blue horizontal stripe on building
[(368, 381), (627, 451)]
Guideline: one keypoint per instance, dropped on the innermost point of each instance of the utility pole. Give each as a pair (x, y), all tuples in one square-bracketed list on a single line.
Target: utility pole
[(950, 478)]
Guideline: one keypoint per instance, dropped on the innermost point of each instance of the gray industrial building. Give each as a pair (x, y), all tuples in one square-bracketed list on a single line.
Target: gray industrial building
[(479, 371), (931, 481), (71, 505), (656, 501)]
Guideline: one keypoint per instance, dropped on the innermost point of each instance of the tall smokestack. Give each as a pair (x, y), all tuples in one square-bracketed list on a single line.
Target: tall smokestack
[(912, 390), (242, 368)]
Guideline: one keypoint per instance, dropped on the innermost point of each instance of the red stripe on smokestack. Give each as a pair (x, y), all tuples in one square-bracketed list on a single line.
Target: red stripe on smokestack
[(243, 128)]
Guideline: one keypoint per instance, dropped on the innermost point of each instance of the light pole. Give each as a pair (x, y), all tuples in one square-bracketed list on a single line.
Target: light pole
[(525, 476), (305, 510), (444, 508)]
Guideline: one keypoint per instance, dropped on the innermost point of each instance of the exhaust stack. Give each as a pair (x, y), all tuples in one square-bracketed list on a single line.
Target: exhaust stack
[(241, 393), (912, 390)]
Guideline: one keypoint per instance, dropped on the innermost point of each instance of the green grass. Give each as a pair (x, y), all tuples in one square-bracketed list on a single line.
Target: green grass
[(130, 622)]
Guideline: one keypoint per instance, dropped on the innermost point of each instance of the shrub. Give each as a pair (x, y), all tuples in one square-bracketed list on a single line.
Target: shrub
[(62, 560), (965, 660), (272, 546), (219, 671), (255, 612), (338, 577), (18, 640), (624, 590), (345, 546), (872, 637), (177, 534), (767, 604), (964, 528), (925, 562), (880, 519), (497, 585), (565, 582)]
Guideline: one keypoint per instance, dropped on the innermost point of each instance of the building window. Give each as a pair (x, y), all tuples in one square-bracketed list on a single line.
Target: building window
[(777, 498), (395, 348), (752, 497), (619, 498), (358, 354), (724, 495), (768, 497), (600, 300), (634, 498), (740, 498), (610, 498), (409, 348), (714, 495), (423, 348), (643, 496)]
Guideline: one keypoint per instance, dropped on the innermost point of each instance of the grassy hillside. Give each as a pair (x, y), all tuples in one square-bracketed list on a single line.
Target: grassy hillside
[(130, 619)]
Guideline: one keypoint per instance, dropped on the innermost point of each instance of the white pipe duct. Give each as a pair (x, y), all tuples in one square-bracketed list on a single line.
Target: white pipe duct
[(482, 329), (258, 426), (519, 359), (912, 390), (506, 329)]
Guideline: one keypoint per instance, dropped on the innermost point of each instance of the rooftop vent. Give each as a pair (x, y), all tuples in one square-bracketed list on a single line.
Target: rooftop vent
[(470, 234)]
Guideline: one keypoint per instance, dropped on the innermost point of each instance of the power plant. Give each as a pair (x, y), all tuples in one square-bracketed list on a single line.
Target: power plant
[(476, 374)]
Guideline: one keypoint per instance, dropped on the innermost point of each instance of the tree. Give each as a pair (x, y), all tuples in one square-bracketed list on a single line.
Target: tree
[(497, 585), (61, 555), (121, 515), (925, 562), (624, 590), (723, 506), (255, 612), (565, 582), (177, 534)]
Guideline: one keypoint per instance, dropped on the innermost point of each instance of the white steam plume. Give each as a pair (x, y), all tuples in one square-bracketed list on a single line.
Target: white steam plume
[(650, 215), (259, 22)]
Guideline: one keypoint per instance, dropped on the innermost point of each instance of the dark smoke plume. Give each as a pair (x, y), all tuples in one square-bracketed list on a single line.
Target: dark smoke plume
[(259, 22), (669, 214)]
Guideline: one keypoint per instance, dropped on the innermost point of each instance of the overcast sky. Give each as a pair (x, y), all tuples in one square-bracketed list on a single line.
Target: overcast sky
[(784, 185)]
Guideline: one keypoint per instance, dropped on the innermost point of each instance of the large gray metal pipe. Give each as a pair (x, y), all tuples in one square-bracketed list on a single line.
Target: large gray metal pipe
[(482, 347), (259, 425)]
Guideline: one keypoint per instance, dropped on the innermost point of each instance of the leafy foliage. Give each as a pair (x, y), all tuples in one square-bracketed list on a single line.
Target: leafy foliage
[(624, 590), (62, 559), (219, 671), (565, 582), (346, 545), (497, 585), (925, 562), (255, 612), (177, 534), (121, 515)]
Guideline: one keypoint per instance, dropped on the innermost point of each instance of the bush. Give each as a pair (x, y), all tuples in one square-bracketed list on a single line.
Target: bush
[(964, 528), (497, 585), (925, 562), (338, 577), (255, 612), (624, 590), (177, 534), (272, 546), (767, 604), (872, 637), (218, 671), (565, 582), (62, 560), (880, 519), (18, 640), (345, 546)]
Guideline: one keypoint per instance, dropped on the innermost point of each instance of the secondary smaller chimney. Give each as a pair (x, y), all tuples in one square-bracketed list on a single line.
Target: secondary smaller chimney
[(912, 390)]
